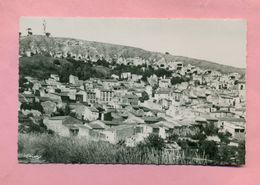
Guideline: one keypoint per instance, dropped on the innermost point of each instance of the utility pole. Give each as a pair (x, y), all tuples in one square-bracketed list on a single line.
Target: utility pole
[(44, 24)]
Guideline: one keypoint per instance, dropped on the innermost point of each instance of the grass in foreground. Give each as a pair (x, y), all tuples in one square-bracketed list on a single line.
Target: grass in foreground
[(45, 148)]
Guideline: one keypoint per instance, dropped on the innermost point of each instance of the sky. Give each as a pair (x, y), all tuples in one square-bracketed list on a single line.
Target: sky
[(220, 41)]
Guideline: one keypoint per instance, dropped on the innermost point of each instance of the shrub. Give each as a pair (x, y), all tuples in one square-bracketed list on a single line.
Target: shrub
[(56, 62), (224, 137), (173, 138), (32, 106), (241, 152), (210, 129), (201, 136), (209, 148), (144, 96), (153, 141), (177, 80)]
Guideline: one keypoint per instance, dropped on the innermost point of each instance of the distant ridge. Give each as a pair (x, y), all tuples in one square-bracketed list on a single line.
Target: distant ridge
[(94, 49)]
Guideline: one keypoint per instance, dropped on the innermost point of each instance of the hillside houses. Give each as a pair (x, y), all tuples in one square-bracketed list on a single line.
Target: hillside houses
[(166, 64), (127, 108)]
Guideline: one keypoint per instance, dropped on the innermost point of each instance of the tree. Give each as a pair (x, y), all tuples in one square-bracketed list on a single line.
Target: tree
[(56, 62), (49, 107), (210, 129), (224, 137), (163, 72), (65, 71), (201, 136), (209, 148), (176, 80), (32, 106), (102, 62), (63, 111), (241, 151), (173, 138), (144, 96), (22, 81), (225, 154), (37, 106), (154, 141)]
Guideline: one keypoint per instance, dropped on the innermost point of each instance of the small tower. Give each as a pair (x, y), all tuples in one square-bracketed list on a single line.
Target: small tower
[(29, 31)]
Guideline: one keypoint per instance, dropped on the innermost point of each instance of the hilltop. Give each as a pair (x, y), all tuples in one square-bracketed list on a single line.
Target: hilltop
[(95, 49)]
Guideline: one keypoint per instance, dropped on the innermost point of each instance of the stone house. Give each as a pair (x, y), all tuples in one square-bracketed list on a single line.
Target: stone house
[(235, 126), (66, 126)]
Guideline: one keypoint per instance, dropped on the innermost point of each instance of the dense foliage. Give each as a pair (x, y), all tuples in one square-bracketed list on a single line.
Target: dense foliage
[(31, 106), (178, 79), (153, 141), (55, 149), (217, 153), (144, 96), (42, 66)]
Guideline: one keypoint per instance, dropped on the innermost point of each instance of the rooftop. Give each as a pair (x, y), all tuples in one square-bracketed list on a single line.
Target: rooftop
[(232, 119), (59, 117)]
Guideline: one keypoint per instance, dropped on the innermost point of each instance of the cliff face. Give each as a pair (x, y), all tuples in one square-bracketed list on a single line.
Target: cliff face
[(51, 45)]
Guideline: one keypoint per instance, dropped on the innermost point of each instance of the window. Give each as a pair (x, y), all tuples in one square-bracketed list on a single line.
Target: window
[(156, 130), (139, 130), (222, 125), (74, 131)]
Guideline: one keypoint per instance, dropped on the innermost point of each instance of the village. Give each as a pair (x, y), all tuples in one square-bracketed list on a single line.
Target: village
[(124, 108)]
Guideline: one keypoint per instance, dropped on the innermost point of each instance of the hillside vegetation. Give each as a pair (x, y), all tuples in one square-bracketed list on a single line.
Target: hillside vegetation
[(94, 49), (41, 67), (55, 149)]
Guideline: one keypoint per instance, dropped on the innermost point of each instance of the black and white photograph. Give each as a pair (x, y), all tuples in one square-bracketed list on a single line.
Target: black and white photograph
[(132, 91)]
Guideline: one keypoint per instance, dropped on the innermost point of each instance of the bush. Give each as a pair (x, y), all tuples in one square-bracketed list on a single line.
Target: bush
[(241, 152), (29, 125), (178, 80), (199, 136), (56, 62), (210, 129), (144, 96), (173, 138), (32, 106), (209, 148), (153, 141), (224, 137)]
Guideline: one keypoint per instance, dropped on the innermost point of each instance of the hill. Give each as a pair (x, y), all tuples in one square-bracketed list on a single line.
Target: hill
[(93, 49)]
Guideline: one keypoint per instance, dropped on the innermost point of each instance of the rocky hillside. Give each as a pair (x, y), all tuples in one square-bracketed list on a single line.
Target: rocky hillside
[(94, 49)]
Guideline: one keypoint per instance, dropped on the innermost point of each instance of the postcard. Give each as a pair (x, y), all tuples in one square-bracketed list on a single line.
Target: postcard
[(132, 91)]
